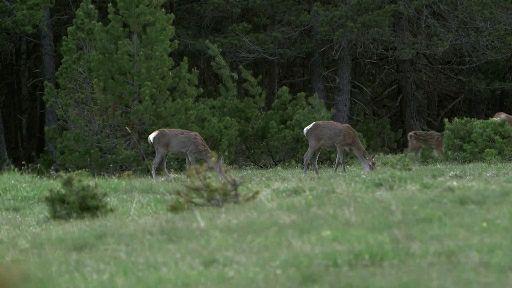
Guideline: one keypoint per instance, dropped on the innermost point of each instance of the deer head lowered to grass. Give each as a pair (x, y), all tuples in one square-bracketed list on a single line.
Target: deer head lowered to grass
[(502, 116), (425, 139), (179, 141), (327, 134)]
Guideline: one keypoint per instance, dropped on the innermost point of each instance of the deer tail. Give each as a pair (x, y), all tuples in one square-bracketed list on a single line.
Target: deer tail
[(151, 137), (307, 128)]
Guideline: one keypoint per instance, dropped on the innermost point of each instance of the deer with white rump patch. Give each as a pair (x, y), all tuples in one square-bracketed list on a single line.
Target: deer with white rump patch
[(417, 140), (328, 134), (184, 142)]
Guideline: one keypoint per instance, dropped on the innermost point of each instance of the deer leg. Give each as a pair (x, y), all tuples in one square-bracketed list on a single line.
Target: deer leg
[(438, 151), (409, 148), (156, 162), (307, 156), (191, 159), (165, 167), (187, 160), (316, 162), (339, 160), (414, 147), (336, 164)]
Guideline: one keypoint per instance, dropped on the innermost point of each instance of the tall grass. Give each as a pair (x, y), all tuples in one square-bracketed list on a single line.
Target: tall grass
[(439, 225)]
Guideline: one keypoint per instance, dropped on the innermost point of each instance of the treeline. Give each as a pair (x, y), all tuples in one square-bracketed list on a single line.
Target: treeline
[(248, 75)]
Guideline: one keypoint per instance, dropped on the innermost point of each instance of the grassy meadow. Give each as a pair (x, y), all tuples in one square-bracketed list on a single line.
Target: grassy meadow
[(435, 225)]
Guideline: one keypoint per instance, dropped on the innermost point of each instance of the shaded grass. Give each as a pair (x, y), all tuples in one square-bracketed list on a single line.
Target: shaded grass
[(428, 226)]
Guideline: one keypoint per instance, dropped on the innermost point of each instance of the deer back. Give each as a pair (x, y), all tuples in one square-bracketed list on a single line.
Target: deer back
[(330, 133), (425, 138), (334, 134), (180, 141)]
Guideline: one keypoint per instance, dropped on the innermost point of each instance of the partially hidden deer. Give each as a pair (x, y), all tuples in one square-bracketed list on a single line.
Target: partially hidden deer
[(502, 116), (330, 134), (179, 141), (417, 140)]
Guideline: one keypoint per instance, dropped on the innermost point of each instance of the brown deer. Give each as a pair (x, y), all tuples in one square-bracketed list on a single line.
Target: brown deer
[(502, 116), (184, 142), (328, 134), (425, 139)]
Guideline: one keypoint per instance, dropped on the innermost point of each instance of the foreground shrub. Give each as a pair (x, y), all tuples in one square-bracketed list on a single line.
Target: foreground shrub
[(78, 197), (467, 140), (208, 188)]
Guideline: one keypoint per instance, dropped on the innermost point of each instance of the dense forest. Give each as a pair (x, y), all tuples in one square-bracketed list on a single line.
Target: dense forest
[(84, 82)]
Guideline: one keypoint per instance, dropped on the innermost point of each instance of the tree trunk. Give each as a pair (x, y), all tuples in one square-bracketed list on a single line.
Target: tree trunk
[(316, 77), (29, 107), (410, 100), (4, 158), (342, 96), (272, 84), (477, 109), (317, 68), (48, 53)]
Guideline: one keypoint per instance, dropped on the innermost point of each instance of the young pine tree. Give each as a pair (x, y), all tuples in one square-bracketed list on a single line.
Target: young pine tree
[(74, 98), (116, 76)]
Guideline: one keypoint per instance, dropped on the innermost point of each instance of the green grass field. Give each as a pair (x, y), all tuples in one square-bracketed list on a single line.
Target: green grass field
[(433, 226)]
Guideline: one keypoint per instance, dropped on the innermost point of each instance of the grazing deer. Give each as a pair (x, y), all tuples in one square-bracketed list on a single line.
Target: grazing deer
[(425, 139), (502, 116), (327, 134), (181, 141)]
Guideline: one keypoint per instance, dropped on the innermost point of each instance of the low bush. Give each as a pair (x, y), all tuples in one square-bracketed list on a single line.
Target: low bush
[(206, 187), (467, 140), (78, 197)]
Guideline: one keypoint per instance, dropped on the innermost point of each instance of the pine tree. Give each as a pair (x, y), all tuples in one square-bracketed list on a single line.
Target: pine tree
[(345, 26), (74, 99), (75, 76), (118, 76), (136, 45)]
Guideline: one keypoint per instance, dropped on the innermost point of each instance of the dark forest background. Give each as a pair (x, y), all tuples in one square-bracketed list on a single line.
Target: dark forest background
[(248, 75)]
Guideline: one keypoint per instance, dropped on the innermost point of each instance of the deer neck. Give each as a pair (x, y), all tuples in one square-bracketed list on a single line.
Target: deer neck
[(362, 156)]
